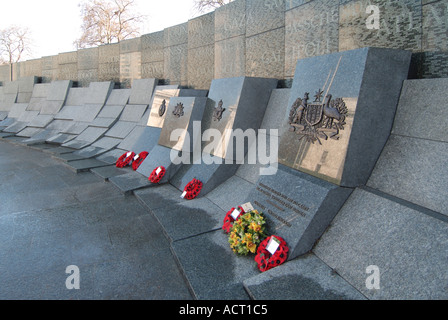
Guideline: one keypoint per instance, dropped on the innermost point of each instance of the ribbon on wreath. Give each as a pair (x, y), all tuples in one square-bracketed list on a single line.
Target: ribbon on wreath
[(157, 174), (192, 189), (125, 159), (265, 259), (231, 217), (138, 159)]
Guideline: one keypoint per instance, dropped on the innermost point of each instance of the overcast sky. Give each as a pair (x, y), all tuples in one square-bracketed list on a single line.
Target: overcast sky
[(55, 24)]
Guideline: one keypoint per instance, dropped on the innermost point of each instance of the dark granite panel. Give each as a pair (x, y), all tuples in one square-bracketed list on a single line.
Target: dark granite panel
[(175, 35), (152, 47), (310, 30), (230, 58), (230, 20), (176, 64), (265, 54), (201, 31), (88, 58), (264, 15), (201, 67), (435, 26), (130, 68), (400, 25)]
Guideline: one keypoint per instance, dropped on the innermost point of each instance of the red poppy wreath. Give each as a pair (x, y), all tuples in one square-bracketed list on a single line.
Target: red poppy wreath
[(192, 189), (125, 159), (139, 159), (231, 217), (265, 259), (157, 174)]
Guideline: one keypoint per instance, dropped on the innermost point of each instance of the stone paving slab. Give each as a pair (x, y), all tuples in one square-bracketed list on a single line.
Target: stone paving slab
[(121, 129), (402, 240), (29, 132), (188, 218), (61, 138), (85, 165), (154, 198), (111, 156), (306, 278), (219, 279), (131, 181), (108, 171), (54, 149), (66, 157), (77, 219)]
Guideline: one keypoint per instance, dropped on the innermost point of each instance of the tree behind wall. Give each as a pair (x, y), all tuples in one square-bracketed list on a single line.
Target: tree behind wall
[(15, 44), (107, 21), (205, 5)]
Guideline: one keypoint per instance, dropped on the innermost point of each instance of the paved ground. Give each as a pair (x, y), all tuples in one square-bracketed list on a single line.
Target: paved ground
[(52, 218)]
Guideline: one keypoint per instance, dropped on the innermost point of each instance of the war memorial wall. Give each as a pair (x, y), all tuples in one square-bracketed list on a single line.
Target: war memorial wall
[(262, 38), (337, 97)]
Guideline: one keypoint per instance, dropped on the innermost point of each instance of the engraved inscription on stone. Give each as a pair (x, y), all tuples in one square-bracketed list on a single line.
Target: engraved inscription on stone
[(282, 208)]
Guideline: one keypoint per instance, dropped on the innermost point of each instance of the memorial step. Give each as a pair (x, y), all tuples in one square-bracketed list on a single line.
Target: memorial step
[(406, 243), (305, 278)]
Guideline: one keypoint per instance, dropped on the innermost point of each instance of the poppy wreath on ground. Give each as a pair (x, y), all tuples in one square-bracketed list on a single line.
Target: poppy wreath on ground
[(192, 189), (157, 174), (247, 233), (125, 159), (229, 219), (265, 260), (138, 159)]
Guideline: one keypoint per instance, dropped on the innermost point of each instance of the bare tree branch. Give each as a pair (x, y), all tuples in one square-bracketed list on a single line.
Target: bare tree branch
[(108, 21), (205, 5), (15, 43)]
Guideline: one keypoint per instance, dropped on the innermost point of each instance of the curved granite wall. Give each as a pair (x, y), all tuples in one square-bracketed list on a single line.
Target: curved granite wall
[(261, 38)]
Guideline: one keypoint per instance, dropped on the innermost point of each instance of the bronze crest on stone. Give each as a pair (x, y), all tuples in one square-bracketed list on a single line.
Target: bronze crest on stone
[(162, 108), (318, 119), (179, 110), (219, 110)]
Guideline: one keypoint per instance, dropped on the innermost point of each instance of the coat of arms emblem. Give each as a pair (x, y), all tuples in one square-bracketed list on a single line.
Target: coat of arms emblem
[(179, 110), (162, 108), (319, 119), (219, 110)]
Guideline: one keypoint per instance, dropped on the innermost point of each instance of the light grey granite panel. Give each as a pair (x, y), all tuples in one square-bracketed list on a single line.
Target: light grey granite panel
[(401, 241), (422, 110), (415, 170), (121, 129)]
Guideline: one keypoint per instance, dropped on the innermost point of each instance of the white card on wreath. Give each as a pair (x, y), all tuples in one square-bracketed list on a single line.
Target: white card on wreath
[(235, 214), (273, 245), (247, 207), (158, 171), (183, 194)]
